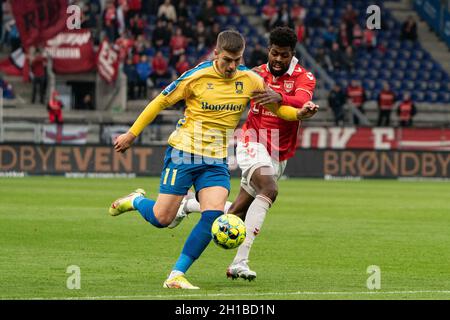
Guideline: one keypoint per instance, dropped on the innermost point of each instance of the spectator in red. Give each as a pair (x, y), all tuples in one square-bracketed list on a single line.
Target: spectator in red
[(221, 8), (406, 111), (182, 65), (137, 25), (386, 101), (297, 11), (125, 42), (350, 16), (178, 45), (370, 39), (54, 108), (270, 14), (167, 11), (300, 30), (409, 29), (160, 68), (38, 64), (356, 95), (344, 37), (134, 7), (357, 36)]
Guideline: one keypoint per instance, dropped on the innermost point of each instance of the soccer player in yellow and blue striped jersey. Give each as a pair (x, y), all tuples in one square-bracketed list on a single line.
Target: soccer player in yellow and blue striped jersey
[(216, 94)]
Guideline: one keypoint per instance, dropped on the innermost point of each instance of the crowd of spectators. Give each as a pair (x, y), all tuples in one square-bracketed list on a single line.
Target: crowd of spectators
[(159, 40), (340, 45), (156, 40)]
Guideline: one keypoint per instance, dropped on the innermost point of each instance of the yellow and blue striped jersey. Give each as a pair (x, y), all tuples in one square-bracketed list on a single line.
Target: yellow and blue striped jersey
[(214, 105)]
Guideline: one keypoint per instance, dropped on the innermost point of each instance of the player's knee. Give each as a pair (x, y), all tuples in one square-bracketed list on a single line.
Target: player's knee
[(164, 219), (270, 191)]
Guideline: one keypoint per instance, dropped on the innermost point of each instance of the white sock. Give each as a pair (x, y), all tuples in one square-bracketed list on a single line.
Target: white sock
[(253, 222), (175, 273), (192, 205), (227, 206)]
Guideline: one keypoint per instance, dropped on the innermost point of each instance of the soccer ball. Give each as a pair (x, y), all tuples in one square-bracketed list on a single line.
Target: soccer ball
[(228, 231)]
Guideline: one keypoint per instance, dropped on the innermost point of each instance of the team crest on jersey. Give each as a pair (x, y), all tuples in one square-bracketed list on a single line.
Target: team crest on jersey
[(288, 86), (209, 86), (239, 87)]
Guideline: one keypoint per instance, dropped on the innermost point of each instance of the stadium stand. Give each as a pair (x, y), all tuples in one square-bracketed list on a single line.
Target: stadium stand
[(404, 64)]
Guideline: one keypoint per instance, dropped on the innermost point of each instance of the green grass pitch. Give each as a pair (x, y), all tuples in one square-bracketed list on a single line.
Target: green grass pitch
[(317, 242)]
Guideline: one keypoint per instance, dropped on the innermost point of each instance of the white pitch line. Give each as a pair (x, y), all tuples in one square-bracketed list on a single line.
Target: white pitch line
[(206, 295)]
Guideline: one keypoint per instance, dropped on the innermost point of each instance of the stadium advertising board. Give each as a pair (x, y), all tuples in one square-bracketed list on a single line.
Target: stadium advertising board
[(98, 160), (369, 164), (59, 160), (375, 138)]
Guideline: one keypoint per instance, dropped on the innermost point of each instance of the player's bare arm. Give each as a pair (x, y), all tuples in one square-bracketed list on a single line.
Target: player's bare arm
[(123, 142)]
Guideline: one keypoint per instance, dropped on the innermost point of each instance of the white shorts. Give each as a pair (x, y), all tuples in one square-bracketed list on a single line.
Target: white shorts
[(253, 155)]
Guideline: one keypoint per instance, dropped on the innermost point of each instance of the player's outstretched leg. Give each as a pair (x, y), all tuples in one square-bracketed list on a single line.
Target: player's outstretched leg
[(266, 193), (125, 203), (188, 206), (182, 211), (195, 244)]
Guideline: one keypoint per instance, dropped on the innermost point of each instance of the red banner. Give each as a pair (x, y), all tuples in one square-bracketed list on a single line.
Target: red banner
[(72, 51), (40, 20), (108, 62), (375, 138)]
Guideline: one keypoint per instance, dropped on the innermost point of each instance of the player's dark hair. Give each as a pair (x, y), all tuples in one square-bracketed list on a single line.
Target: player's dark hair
[(283, 37), (230, 40)]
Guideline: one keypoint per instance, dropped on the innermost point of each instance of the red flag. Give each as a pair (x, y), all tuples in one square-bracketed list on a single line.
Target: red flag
[(39, 20), (108, 62), (72, 51)]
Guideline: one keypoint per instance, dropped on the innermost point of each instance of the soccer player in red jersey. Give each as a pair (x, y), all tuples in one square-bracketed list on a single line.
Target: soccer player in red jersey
[(266, 143)]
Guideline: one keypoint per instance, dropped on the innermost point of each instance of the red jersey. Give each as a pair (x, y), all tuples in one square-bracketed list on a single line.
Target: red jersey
[(406, 110), (38, 66), (386, 100), (278, 135), (356, 95), (159, 65)]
